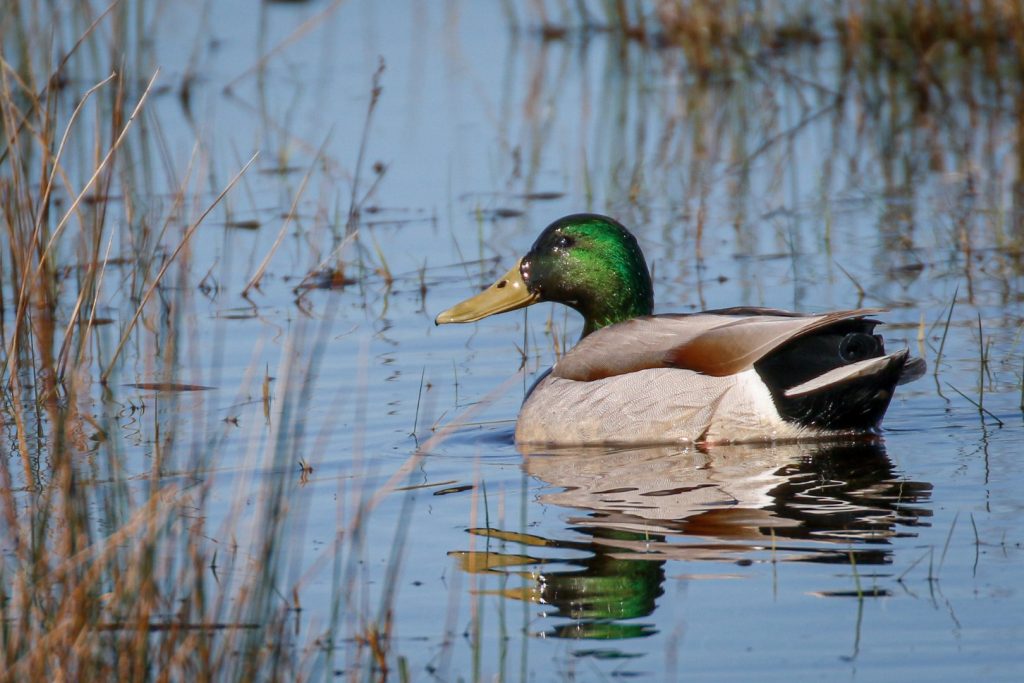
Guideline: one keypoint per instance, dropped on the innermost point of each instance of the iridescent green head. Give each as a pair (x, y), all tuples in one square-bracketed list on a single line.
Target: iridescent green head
[(586, 261)]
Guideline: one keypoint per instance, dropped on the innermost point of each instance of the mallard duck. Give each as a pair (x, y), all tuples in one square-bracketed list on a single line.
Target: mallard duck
[(728, 375)]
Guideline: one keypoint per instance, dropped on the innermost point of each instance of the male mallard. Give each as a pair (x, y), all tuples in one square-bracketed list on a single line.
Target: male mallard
[(735, 374)]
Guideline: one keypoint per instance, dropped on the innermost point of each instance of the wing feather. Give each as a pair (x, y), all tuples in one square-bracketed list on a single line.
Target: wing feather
[(715, 343)]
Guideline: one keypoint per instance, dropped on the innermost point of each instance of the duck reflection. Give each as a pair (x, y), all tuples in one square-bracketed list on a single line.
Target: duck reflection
[(737, 504)]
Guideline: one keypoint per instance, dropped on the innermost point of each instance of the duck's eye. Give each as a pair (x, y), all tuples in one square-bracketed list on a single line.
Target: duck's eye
[(565, 242), (858, 346)]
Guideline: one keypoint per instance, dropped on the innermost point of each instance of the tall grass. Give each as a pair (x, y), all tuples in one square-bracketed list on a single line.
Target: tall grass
[(717, 37), (105, 573)]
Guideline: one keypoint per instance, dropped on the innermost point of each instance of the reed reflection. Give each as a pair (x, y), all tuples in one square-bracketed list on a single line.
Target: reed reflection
[(632, 510)]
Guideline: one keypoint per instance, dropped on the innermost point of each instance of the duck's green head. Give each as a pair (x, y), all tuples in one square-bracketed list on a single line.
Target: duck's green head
[(586, 261)]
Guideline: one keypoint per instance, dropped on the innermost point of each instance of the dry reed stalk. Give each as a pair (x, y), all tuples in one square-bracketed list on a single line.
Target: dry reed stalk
[(53, 78), (94, 561), (354, 203), (167, 264), (51, 625), (73, 320), (254, 281), (22, 299)]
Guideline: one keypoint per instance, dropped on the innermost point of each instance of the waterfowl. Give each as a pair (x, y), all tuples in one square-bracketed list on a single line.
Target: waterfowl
[(728, 375)]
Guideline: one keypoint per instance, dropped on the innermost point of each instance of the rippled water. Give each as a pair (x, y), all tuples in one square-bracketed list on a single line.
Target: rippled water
[(761, 186)]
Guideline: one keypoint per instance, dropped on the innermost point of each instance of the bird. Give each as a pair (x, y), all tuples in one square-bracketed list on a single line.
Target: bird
[(730, 375)]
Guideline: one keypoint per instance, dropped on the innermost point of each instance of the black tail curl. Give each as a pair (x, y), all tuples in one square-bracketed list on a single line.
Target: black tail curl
[(855, 404)]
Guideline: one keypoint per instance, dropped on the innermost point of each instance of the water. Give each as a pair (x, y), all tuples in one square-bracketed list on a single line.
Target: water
[(865, 561)]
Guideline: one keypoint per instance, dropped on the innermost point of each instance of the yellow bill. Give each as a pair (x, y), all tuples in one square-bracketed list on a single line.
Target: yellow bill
[(507, 294)]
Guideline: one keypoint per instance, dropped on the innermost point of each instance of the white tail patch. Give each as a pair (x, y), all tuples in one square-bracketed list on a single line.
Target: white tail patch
[(845, 373)]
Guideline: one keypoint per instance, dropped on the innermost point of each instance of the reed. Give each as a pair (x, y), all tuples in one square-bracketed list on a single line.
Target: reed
[(108, 572), (716, 37)]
